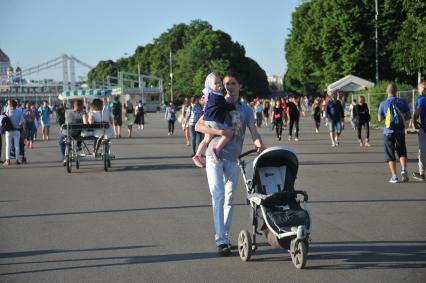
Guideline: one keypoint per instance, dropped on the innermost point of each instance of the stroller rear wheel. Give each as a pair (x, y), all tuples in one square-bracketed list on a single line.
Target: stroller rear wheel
[(244, 245), (299, 253)]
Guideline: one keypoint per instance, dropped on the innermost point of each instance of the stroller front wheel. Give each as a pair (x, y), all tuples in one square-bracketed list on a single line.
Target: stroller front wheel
[(299, 253), (244, 245)]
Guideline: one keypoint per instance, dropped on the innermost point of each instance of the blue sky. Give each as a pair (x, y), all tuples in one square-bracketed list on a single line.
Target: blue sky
[(32, 32)]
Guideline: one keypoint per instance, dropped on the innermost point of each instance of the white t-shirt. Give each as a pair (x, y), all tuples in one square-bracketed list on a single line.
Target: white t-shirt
[(99, 117)]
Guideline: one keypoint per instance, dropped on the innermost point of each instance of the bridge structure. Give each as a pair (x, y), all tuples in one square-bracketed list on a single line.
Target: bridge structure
[(130, 86)]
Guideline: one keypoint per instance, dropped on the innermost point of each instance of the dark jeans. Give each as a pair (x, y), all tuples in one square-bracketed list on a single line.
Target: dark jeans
[(367, 129), (317, 121), (196, 138), (171, 126), (29, 131), (279, 127), (259, 119), (294, 123)]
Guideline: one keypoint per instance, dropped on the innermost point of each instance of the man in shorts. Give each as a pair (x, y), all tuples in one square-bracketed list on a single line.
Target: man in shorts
[(392, 110)]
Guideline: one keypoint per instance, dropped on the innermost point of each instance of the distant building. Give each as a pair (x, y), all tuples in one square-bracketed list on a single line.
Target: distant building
[(277, 81), (4, 66)]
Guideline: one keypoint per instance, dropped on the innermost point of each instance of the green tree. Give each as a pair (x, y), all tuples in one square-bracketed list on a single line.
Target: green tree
[(197, 50)]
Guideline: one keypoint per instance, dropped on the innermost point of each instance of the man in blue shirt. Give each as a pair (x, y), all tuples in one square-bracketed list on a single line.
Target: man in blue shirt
[(45, 113), (394, 136), (420, 113)]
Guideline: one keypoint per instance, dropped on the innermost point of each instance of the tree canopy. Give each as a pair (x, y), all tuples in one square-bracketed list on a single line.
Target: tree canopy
[(330, 39), (197, 50)]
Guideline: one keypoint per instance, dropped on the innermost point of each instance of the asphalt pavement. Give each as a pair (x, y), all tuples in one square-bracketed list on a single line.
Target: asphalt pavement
[(149, 218)]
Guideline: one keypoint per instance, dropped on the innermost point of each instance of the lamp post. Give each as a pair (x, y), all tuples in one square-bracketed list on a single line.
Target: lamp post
[(171, 75), (377, 41)]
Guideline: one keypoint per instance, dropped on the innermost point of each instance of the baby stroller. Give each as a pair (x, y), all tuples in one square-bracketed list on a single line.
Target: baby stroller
[(270, 186)]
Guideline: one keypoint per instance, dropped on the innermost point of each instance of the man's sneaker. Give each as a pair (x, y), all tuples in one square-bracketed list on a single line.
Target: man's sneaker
[(333, 144), (418, 176), (296, 139), (404, 176), (393, 180), (197, 161), (289, 138), (223, 250)]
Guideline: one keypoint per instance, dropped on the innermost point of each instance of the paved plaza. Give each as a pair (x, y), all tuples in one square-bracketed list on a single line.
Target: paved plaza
[(149, 218)]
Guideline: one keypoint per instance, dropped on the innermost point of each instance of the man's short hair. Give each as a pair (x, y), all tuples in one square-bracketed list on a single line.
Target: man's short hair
[(234, 75), (78, 102), (391, 88)]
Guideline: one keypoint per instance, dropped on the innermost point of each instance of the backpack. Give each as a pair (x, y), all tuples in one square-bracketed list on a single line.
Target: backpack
[(394, 119), (116, 109), (5, 124)]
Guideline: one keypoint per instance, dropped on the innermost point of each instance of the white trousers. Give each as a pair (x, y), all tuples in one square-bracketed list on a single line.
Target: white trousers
[(12, 136)]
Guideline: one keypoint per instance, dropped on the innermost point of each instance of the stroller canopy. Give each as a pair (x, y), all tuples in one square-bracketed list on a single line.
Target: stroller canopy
[(85, 93), (277, 156)]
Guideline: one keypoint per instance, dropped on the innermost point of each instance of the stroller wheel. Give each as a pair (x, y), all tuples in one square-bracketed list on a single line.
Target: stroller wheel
[(244, 245), (299, 253)]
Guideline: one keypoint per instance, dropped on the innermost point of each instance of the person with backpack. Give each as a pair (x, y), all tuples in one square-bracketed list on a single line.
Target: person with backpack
[(129, 116), (420, 113), (394, 111), (117, 120), (12, 125)]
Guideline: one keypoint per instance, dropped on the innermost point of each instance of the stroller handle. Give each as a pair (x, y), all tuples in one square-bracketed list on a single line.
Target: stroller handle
[(247, 153)]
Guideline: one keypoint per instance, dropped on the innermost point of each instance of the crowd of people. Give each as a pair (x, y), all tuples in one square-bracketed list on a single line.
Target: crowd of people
[(215, 124), (21, 122)]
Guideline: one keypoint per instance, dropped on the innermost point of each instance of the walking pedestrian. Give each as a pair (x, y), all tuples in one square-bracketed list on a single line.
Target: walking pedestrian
[(117, 119), (420, 113), (258, 108), (193, 113), (13, 134), (316, 113), (394, 111), (277, 118), (129, 117), (182, 116), (361, 118), (266, 110), (170, 116), (335, 117), (223, 174), (45, 112), (29, 117), (140, 115), (293, 114)]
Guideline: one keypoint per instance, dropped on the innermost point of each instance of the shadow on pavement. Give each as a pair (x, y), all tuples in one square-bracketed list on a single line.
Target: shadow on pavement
[(369, 254), (110, 211), (44, 252), (124, 260)]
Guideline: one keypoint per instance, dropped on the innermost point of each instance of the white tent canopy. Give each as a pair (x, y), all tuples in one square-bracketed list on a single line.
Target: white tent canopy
[(85, 93), (350, 83)]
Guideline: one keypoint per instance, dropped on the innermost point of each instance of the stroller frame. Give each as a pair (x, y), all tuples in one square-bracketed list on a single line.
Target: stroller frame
[(296, 240)]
